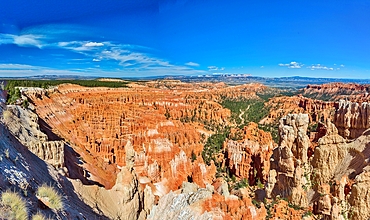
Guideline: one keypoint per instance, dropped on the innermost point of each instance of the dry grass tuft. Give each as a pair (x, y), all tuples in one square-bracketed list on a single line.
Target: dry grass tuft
[(6, 116), (50, 197), (13, 206), (38, 216)]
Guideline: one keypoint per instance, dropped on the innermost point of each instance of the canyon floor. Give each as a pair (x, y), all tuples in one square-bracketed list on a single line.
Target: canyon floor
[(167, 149)]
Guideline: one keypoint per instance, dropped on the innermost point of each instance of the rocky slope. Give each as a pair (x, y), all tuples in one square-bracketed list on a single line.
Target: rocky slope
[(24, 125), (24, 172)]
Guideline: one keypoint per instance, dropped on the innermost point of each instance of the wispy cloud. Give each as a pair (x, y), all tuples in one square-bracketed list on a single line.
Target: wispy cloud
[(96, 71), (292, 65), (117, 58), (27, 40), (127, 56), (192, 64), (320, 67), (81, 45), (215, 68), (16, 70), (16, 66)]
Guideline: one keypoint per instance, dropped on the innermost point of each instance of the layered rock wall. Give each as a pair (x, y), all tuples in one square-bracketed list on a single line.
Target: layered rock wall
[(23, 124), (337, 91), (352, 118)]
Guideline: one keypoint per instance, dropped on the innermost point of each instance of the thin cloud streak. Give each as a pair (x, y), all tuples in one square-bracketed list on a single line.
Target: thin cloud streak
[(215, 68), (20, 70), (292, 65), (320, 67), (125, 55), (27, 40), (192, 64)]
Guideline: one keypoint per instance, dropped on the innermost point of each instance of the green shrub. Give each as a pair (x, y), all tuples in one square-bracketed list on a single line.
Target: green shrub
[(307, 214), (241, 184), (245, 111), (15, 207), (259, 184), (193, 156), (50, 197), (25, 103), (312, 127), (13, 95), (213, 146)]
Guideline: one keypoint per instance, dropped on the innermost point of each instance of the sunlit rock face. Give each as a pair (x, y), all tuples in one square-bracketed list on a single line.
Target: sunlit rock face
[(250, 157), (352, 118), (286, 177), (24, 125)]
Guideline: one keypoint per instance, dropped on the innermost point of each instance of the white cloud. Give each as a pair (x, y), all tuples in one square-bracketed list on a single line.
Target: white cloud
[(28, 40), (119, 57), (131, 59), (341, 65), (292, 65), (93, 44), (25, 40), (215, 68), (320, 67), (262, 67), (127, 57), (192, 64), (81, 45)]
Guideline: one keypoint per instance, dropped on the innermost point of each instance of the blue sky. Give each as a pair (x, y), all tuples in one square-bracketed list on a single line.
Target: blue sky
[(120, 38)]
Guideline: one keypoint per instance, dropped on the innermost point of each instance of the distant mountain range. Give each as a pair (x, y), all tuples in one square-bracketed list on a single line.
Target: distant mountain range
[(294, 81)]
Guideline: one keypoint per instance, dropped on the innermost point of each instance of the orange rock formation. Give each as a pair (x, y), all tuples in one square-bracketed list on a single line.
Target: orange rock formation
[(163, 120), (250, 158)]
